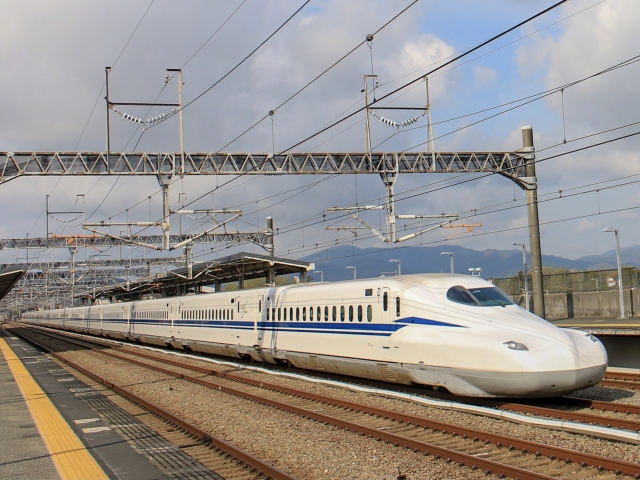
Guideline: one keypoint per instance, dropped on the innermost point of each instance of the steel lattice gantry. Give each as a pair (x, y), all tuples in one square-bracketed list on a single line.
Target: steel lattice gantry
[(260, 238), (518, 166), (14, 164)]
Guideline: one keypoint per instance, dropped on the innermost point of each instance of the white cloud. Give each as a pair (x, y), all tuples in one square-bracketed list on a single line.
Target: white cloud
[(484, 76)]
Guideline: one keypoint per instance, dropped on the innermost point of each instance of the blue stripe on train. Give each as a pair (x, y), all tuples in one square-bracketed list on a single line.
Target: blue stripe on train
[(351, 328)]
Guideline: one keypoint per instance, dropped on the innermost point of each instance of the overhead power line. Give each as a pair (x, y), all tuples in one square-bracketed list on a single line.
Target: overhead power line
[(113, 65), (480, 45), (320, 75)]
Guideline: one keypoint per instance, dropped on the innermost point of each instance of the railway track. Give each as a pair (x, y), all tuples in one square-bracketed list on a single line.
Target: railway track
[(221, 457), (475, 449), (622, 380)]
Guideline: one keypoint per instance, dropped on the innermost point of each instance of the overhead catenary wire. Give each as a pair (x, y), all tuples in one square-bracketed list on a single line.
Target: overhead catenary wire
[(317, 77), (249, 55), (462, 55)]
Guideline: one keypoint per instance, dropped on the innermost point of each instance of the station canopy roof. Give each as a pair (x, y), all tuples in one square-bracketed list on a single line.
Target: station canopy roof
[(9, 277), (240, 266)]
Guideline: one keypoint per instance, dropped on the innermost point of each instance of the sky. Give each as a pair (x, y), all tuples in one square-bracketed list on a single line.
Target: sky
[(51, 90)]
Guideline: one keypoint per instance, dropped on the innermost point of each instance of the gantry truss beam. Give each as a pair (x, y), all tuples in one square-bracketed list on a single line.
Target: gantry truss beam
[(14, 164), (259, 238), (101, 263)]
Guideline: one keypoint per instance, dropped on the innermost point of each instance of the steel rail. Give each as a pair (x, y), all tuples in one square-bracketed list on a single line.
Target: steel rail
[(633, 385), (205, 437), (624, 376), (522, 406), (449, 455), (583, 459)]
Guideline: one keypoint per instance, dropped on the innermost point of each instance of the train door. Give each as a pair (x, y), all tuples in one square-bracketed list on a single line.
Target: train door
[(386, 317), (278, 295), (171, 307), (395, 307), (236, 316), (258, 318), (127, 312)]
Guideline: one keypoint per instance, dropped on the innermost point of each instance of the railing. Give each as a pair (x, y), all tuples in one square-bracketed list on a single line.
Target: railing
[(584, 281)]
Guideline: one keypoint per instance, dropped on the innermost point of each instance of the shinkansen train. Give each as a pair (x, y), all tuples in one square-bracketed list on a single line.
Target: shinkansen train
[(455, 332)]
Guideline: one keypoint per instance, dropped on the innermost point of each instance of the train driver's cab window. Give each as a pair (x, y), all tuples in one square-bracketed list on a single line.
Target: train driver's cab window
[(483, 296)]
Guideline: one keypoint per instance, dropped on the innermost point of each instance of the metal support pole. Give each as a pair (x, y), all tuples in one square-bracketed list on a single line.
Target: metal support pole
[(180, 129), (620, 285), (534, 223), (430, 129), (107, 70), (367, 130), (389, 179), (47, 208), (165, 183), (72, 270), (189, 260), (270, 246)]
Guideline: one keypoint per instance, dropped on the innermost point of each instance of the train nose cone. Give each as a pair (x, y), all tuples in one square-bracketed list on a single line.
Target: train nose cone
[(578, 362)]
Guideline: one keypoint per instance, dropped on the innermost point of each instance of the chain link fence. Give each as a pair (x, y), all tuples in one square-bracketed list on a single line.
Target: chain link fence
[(587, 281)]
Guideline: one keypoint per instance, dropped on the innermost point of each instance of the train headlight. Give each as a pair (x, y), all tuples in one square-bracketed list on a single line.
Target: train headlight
[(511, 345), (592, 338)]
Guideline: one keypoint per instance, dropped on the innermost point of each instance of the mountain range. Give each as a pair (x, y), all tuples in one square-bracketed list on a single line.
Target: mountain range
[(373, 262)]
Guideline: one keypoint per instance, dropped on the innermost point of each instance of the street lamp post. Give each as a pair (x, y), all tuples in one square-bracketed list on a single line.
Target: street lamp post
[(321, 275), (450, 255), (620, 286), (354, 271), (526, 279), (399, 267)]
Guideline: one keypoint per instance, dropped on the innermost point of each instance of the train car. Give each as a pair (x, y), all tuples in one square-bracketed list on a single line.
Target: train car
[(455, 332)]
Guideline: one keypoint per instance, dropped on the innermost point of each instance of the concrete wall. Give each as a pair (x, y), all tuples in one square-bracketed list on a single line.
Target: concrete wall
[(588, 304)]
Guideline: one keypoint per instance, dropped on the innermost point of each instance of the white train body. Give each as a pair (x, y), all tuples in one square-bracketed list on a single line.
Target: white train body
[(427, 329)]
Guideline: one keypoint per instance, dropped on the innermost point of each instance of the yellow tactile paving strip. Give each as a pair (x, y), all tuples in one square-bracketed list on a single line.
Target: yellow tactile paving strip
[(69, 455)]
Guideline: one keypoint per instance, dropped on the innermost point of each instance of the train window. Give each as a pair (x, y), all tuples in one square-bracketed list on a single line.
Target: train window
[(259, 305), (359, 313), (304, 314), (397, 306), (490, 296), (318, 313), (311, 314), (238, 305), (369, 313), (267, 314), (351, 313), (326, 314), (342, 313), (297, 314), (385, 301), (334, 314), (459, 294), (231, 314), (284, 314), (291, 314), (368, 292), (279, 312), (273, 314)]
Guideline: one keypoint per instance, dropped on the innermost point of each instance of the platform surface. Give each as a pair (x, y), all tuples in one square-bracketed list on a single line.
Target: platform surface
[(602, 326), (49, 431)]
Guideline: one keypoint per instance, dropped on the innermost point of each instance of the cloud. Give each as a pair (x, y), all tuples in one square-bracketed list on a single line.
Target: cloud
[(484, 76)]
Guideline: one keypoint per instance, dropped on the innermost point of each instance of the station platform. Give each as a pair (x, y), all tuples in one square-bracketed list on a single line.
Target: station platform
[(602, 326), (620, 336), (49, 430)]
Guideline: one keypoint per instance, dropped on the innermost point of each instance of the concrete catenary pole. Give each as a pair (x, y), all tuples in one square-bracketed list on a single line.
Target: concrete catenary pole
[(534, 223)]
